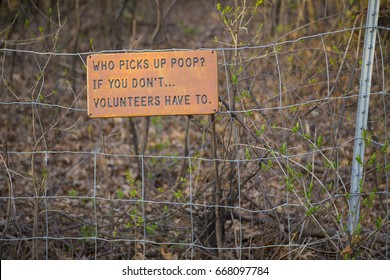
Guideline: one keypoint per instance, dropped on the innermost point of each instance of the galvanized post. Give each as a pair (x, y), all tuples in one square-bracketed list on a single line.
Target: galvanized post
[(362, 114)]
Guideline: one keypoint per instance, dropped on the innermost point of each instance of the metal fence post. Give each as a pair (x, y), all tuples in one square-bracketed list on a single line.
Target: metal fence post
[(362, 114)]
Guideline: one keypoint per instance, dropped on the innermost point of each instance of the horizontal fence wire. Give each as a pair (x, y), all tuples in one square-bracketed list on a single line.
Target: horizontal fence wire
[(144, 188)]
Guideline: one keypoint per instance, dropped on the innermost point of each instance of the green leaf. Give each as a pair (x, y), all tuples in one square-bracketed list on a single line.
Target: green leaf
[(283, 149), (248, 154), (309, 167), (387, 167), (266, 166), (367, 137), (133, 193), (336, 49), (73, 192), (27, 23), (120, 193), (289, 184), (372, 159), (245, 94), (91, 43), (151, 229), (338, 219), (178, 194), (129, 178), (361, 181), (294, 109), (332, 164), (234, 78), (44, 173), (385, 147), (359, 159), (261, 131), (312, 210), (319, 141), (306, 136), (310, 187), (259, 2), (86, 231), (295, 129), (227, 10), (359, 229), (249, 113), (378, 223), (140, 220)]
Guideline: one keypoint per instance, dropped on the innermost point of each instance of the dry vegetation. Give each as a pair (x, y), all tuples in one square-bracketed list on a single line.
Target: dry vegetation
[(267, 177)]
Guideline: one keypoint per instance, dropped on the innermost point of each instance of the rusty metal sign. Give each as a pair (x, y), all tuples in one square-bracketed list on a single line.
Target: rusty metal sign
[(152, 84)]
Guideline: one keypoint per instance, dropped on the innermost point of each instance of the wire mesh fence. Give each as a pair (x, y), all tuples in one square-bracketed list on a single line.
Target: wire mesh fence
[(267, 177)]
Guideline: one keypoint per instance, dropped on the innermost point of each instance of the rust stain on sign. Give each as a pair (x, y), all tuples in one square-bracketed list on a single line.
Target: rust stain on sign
[(151, 84)]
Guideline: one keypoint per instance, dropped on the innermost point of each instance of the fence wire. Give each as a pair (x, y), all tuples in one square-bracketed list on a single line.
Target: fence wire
[(145, 188)]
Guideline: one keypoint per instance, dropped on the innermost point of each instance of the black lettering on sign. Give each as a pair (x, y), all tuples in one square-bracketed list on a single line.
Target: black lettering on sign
[(201, 98), (159, 63), (117, 83), (177, 100), (97, 84), (187, 62), (100, 102), (133, 64), (103, 65), (147, 82), (131, 101)]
